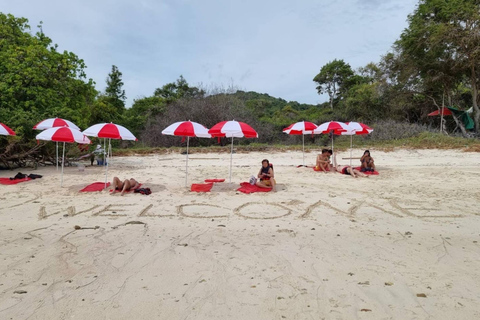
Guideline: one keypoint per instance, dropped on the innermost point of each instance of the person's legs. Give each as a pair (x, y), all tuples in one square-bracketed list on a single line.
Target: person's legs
[(273, 184), (126, 186), (263, 184), (360, 174), (117, 184)]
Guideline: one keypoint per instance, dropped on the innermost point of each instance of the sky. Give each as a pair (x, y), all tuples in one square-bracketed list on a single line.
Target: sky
[(273, 46)]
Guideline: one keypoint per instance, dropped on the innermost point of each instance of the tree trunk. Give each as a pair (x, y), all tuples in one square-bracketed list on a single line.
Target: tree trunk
[(476, 110)]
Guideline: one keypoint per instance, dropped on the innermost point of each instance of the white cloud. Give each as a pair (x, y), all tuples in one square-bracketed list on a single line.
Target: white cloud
[(273, 47)]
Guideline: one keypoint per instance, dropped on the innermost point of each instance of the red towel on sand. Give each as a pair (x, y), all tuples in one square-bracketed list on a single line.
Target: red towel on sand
[(320, 169), (96, 186), (131, 190), (367, 172), (214, 180), (246, 187), (201, 187), (15, 181)]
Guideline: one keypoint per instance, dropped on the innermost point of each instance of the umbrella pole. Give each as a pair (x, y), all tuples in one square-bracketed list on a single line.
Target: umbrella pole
[(186, 165), (332, 141), (303, 145), (351, 145), (56, 143), (63, 159), (231, 155), (105, 159)]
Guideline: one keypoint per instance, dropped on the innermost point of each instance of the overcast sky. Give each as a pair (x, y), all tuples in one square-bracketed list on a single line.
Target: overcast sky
[(274, 46)]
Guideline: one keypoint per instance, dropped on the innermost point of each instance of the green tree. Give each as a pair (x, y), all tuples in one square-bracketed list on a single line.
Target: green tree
[(442, 47), (114, 91), (37, 81), (179, 89), (332, 78)]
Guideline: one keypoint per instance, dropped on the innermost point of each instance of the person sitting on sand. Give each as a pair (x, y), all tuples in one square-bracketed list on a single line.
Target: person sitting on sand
[(129, 184), (323, 161), (367, 162), (348, 170), (265, 176)]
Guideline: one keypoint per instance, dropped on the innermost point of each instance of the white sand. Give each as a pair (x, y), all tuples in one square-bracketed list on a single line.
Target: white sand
[(325, 246)]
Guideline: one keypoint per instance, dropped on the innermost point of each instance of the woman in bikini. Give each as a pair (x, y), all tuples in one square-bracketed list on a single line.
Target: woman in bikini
[(265, 176), (129, 184), (367, 162)]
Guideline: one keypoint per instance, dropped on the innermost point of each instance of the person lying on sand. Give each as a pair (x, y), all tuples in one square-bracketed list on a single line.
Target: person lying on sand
[(323, 161), (348, 170), (129, 184), (367, 162), (265, 176)]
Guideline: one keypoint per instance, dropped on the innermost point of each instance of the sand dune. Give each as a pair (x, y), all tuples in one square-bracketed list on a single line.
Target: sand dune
[(401, 245)]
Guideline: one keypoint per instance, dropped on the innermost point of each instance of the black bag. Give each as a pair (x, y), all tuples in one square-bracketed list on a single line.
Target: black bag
[(34, 176), (19, 176), (145, 191)]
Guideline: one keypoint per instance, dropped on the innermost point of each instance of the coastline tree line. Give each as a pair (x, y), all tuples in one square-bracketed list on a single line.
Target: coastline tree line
[(435, 62)]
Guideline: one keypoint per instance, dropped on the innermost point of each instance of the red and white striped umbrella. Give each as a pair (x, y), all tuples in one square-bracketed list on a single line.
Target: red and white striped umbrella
[(109, 131), (6, 131), (187, 129), (303, 128), (232, 129), (336, 126), (54, 122), (356, 128), (63, 134)]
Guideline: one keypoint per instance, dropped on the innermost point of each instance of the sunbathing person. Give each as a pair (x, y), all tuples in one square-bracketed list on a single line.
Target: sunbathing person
[(348, 170), (266, 176), (127, 185), (367, 162), (323, 161)]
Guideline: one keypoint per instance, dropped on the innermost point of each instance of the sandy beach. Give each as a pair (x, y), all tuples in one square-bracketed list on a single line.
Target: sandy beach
[(400, 245)]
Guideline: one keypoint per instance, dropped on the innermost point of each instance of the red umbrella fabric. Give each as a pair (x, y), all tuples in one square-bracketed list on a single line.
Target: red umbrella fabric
[(54, 122), (356, 128), (6, 131), (63, 134), (231, 129), (187, 129), (109, 131), (336, 127), (303, 128), (445, 111)]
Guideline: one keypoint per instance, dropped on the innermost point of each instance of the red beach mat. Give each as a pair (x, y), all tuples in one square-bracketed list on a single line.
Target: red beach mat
[(320, 169), (214, 180), (7, 181), (201, 187), (96, 186), (246, 187), (367, 172)]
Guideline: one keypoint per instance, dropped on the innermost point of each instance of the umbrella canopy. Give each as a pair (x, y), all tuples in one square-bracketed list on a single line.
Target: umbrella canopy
[(54, 122), (187, 129), (6, 131), (443, 110), (63, 134), (231, 129), (109, 131), (303, 128), (335, 127)]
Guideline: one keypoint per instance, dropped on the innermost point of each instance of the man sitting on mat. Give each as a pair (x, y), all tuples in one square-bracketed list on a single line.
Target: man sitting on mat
[(265, 176), (127, 185), (323, 161)]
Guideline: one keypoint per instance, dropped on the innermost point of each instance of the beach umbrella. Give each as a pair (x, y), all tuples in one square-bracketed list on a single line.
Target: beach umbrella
[(52, 123), (356, 128), (63, 134), (303, 128), (5, 130), (333, 127), (109, 131), (232, 129), (187, 129)]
